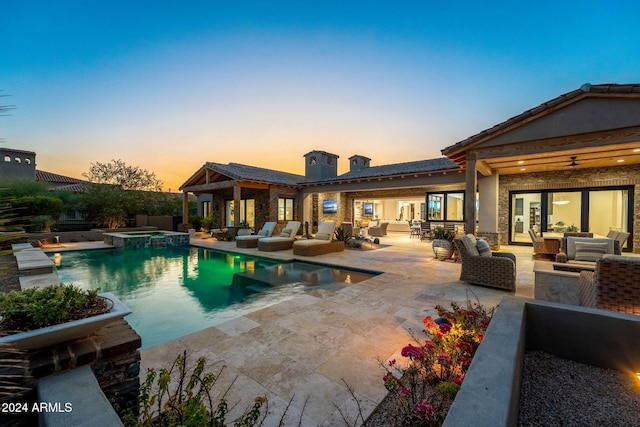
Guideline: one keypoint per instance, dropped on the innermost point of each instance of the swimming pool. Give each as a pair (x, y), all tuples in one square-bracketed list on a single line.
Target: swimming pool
[(175, 291)]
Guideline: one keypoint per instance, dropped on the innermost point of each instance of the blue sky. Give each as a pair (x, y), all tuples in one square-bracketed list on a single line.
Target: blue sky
[(169, 85)]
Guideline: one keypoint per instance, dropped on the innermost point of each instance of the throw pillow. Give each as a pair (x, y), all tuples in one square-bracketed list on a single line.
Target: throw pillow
[(322, 236), (285, 233), (590, 251), (483, 247), (263, 233), (469, 242)]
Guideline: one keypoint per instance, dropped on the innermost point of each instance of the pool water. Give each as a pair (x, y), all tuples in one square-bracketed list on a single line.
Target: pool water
[(175, 291)]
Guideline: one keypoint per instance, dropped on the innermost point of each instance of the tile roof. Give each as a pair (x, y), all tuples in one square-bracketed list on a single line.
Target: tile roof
[(584, 91), (420, 166), (252, 173), (55, 178)]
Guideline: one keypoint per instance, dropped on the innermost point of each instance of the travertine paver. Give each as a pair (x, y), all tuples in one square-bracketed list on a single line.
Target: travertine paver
[(304, 348), (307, 347)]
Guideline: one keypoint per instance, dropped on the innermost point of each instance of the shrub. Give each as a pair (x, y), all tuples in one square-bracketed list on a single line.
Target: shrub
[(182, 397), (39, 307), (435, 369), (443, 234)]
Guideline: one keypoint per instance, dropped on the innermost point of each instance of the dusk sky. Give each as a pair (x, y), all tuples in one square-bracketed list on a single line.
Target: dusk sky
[(169, 85)]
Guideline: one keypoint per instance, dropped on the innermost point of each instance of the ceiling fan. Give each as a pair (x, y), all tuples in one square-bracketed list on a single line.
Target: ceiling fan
[(573, 161)]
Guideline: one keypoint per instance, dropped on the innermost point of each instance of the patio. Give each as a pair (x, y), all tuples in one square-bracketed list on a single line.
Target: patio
[(310, 346)]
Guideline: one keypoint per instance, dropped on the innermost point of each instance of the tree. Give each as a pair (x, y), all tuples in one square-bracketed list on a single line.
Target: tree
[(104, 205), (126, 177)]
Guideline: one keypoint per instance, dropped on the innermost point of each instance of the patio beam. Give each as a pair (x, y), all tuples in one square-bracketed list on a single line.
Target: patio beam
[(470, 195)]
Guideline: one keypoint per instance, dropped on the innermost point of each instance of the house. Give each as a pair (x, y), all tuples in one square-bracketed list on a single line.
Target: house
[(573, 160)]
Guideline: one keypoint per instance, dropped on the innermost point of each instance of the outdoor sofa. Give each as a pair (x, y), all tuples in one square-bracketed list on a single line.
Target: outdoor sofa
[(283, 241), (321, 244), (251, 241), (578, 250), (614, 285)]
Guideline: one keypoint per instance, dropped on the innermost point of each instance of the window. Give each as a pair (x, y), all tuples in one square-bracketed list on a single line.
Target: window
[(445, 206), (285, 209), (247, 212), (206, 209), (18, 160), (7, 158)]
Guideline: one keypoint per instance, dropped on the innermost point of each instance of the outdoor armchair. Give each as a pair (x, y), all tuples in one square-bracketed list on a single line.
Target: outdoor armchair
[(614, 285), (380, 230), (493, 269)]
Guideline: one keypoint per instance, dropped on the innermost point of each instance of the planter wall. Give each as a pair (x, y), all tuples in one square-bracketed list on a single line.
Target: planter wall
[(57, 334), (490, 393)]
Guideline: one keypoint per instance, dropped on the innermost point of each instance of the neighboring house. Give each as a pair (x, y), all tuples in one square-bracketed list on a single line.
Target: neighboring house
[(574, 159), (17, 163), (69, 218)]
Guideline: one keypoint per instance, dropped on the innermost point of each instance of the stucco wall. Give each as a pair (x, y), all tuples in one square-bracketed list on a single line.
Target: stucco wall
[(569, 179)]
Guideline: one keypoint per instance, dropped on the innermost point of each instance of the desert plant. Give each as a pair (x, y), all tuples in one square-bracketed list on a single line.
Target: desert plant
[(207, 222), (39, 307), (180, 396), (443, 234), (342, 234), (428, 382)]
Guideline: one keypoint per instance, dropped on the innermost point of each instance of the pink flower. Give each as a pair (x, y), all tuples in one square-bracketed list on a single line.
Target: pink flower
[(404, 391), (412, 352), (392, 362), (445, 327), (458, 381), (423, 409)]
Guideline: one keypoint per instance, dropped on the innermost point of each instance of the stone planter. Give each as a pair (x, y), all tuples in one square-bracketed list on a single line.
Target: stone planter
[(442, 249), (56, 334), (244, 232)]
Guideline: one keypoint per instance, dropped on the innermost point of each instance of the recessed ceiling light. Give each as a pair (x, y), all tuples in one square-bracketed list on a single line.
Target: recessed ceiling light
[(637, 150), (521, 162), (523, 169), (620, 160)]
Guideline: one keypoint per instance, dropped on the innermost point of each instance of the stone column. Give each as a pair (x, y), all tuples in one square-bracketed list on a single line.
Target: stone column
[(185, 208), (470, 195), (237, 198)]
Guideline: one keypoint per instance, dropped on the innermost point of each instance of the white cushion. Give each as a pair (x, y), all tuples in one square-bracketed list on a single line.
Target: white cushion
[(571, 244), (285, 233), (263, 233), (323, 236), (483, 247), (469, 242), (589, 251)]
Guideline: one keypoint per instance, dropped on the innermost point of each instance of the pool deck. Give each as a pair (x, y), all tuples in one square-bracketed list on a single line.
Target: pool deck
[(310, 347)]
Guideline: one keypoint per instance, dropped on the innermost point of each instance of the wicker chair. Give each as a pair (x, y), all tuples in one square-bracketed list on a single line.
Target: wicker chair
[(542, 246), (614, 285), (380, 230), (495, 271)]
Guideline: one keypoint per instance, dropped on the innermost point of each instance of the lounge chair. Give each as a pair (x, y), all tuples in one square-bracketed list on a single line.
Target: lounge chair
[(283, 241), (252, 241), (613, 285), (322, 243)]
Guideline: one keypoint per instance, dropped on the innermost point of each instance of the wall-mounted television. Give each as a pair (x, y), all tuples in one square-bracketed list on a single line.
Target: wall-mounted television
[(367, 208), (329, 206)]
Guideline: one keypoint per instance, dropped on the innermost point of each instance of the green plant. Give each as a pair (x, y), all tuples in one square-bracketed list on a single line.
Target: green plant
[(39, 307), (243, 224), (443, 234), (181, 396), (560, 223), (342, 234), (427, 384), (572, 228), (207, 222)]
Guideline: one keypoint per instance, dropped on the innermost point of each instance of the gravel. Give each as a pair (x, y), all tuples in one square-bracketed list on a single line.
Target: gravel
[(560, 392)]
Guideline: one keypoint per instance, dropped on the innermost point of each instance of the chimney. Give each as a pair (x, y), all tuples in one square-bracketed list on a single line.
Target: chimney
[(320, 165), (357, 162)]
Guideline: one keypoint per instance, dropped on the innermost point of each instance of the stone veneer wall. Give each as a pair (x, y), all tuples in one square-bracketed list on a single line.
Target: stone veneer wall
[(277, 192), (112, 352), (569, 179)]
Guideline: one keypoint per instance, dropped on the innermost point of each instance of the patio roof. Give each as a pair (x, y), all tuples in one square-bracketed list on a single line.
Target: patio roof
[(598, 124), (212, 172)]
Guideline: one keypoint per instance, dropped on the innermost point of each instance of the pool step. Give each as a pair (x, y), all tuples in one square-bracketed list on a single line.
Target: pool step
[(32, 261)]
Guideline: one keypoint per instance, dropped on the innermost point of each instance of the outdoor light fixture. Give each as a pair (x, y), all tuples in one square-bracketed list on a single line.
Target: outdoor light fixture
[(638, 375), (560, 202)]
